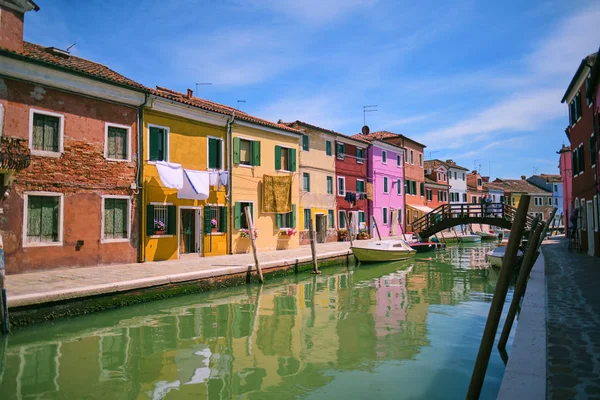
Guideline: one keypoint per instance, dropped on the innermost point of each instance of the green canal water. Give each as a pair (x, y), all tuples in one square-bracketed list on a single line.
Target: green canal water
[(404, 330)]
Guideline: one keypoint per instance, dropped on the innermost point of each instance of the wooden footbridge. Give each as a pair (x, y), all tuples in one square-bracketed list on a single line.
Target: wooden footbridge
[(449, 215)]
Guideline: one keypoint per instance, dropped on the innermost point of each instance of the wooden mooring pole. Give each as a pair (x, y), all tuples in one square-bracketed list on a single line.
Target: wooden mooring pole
[(250, 224), (3, 300), (376, 227), (348, 220), (313, 246), (550, 219), (526, 265), (493, 319)]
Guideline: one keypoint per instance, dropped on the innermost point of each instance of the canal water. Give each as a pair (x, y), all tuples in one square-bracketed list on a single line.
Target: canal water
[(407, 330)]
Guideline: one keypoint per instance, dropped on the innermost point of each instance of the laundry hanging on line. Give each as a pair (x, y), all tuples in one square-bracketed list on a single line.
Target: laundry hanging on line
[(214, 178), (223, 179), (170, 174)]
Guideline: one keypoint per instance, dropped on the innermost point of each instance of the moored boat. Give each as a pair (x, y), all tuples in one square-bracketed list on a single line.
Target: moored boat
[(425, 247), (384, 250), (468, 238), (496, 256), (486, 235)]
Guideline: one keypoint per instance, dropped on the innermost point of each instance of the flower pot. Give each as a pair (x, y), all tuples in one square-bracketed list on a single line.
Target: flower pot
[(159, 232), (214, 230)]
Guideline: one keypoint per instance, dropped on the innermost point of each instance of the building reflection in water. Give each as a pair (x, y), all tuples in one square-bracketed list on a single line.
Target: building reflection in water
[(284, 337)]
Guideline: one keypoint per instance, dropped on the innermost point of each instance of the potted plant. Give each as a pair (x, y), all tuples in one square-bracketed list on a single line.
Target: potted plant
[(342, 235), (288, 232), (245, 233), (159, 227), (213, 225), (362, 235)]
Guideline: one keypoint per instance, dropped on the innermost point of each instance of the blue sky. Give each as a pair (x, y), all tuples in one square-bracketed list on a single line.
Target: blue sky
[(476, 81)]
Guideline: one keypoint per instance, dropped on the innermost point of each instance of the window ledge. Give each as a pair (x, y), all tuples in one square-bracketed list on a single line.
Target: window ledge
[(215, 234), (160, 236), (43, 153), (108, 241), (42, 244), (118, 159), (245, 166)]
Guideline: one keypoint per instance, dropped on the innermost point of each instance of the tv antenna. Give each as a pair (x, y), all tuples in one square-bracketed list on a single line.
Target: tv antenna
[(475, 164), (238, 103), (202, 84), (70, 47), (535, 169), (368, 109), (432, 152)]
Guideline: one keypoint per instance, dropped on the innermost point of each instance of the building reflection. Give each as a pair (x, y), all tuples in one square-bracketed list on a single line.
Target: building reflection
[(248, 341)]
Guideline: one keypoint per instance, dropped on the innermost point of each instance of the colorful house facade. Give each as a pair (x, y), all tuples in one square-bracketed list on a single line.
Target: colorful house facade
[(436, 184), (457, 179), (317, 188), (475, 189), (566, 177), (69, 146)]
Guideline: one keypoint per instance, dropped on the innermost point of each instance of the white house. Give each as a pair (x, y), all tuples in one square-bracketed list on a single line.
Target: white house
[(457, 179)]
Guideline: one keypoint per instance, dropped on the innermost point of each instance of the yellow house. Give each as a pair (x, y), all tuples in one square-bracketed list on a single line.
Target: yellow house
[(317, 182), (262, 149), (183, 138)]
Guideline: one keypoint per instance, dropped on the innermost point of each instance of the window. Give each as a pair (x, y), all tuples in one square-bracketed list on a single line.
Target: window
[(307, 217), (340, 151), (439, 176), (385, 184), (215, 153), (414, 188), (341, 219), (285, 159), (329, 185), (360, 155), (463, 176), (43, 219), (556, 201), (117, 142), (588, 92), (439, 195), (399, 186), (306, 182), (384, 214), (287, 220), (384, 157), (473, 199), (578, 160), (429, 194), (514, 201), (478, 181), (360, 185), (420, 160), (549, 201), (407, 186), (305, 140), (115, 217), (593, 154), (219, 215), (464, 199), (575, 108), (161, 217), (341, 190), (556, 188), (158, 143), (422, 189), (455, 175), (398, 160), (46, 133), (445, 196), (412, 157), (328, 147), (239, 218), (247, 152), (330, 221), (362, 217)]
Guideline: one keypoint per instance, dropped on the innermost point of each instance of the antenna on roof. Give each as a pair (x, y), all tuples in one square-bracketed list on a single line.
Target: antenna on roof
[(432, 152), (238, 103), (71, 46), (475, 163), (202, 84), (367, 109)]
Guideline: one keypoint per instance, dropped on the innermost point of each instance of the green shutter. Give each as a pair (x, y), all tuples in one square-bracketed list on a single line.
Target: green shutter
[(155, 137), (292, 159), (207, 227), (279, 217), (237, 217), (293, 221), (149, 220), (172, 220), (256, 153), (305, 145), (414, 187), (212, 153), (222, 219), (277, 157), (236, 150), (328, 148)]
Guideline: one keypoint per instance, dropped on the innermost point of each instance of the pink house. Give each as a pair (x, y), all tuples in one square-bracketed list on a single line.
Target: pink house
[(386, 173), (566, 177)]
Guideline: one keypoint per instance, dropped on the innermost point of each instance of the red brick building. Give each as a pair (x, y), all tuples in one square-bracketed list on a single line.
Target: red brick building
[(436, 184), (580, 132), (351, 179), (69, 193)]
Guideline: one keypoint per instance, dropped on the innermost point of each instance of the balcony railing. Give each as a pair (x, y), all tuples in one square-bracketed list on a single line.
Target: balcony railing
[(14, 153)]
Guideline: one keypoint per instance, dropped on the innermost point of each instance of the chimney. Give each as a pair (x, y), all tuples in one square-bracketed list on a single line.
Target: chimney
[(12, 17), (523, 177), (190, 94)]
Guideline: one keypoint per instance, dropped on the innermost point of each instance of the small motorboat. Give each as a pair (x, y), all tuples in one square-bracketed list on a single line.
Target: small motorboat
[(496, 256), (425, 247), (468, 238), (486, 235), (383, 250)]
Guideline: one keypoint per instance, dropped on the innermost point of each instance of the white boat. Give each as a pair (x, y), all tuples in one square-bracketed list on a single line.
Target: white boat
[(486, 235), (384, 250), (468, 238), (496, 256)]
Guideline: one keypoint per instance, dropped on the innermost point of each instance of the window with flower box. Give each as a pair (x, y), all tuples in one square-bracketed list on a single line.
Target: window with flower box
[(215, 219), (161, 219)]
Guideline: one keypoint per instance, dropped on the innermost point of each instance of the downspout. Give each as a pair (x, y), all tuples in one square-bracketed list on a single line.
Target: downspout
[(229, 197), (140, 178)]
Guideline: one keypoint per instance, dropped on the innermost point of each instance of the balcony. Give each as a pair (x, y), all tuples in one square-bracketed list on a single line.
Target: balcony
[(14, 154)]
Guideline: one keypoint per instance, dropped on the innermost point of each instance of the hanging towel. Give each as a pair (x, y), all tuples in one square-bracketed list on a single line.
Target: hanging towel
[(214, 178), (170, 174), (223, 179), (196, 185), (277, 194)]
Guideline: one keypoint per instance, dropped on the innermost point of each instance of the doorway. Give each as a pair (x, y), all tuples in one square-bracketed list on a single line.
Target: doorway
[(189, 231), (590, 227), (321, 228)]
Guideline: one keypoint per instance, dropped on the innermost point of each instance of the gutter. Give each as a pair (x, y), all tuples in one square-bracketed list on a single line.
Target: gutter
[(140, 178), (229, 197)]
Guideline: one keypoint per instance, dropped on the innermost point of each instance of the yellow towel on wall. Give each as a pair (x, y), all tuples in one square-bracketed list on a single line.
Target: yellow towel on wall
[(277, 194)]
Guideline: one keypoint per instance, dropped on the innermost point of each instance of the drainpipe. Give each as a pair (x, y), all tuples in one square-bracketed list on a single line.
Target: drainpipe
[(140, 178), (229, 197)]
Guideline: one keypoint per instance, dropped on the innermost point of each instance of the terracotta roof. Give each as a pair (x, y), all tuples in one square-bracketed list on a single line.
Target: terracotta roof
[(298, 122), (519, 186), (552, 178), (494, 186), (385, 135), (70, 63), (218, 108), (429, 181), (434, 164)]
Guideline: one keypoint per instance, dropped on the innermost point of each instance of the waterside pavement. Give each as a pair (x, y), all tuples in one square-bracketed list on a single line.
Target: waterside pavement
[(41, 287), (573, 323)]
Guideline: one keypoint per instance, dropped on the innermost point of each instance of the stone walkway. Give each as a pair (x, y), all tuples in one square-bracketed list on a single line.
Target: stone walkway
[(573, 323), (52, 285)]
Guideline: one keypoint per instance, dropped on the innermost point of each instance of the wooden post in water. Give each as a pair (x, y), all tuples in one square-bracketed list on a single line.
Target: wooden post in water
[(550, 219), (313, 246), (348, 220), (528, 261), (376, 227), (250, 224), (456, 235), (493, 319), (3, 299)]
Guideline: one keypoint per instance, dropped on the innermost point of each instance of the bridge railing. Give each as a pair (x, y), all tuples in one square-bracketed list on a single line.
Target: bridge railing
[(463, 211)]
